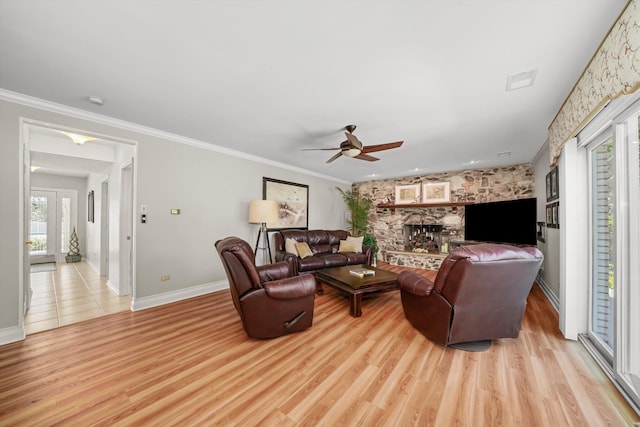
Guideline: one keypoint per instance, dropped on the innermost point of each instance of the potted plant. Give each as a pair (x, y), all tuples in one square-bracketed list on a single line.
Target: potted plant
[(359, 207)]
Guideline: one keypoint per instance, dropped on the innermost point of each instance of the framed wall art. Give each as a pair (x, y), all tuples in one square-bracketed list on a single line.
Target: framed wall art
[(293, 203), (552, 184), (553, 215), (435, 192), (407, 194)]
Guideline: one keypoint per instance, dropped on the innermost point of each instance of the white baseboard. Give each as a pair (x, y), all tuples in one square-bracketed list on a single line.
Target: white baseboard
[(12, 334), (113, 287), (143, 303), (555, 302)]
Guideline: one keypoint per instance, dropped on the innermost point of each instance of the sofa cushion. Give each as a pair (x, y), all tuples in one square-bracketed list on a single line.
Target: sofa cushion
[(347, 246), (356, 258), (322, 249), (357, 241), (303, 249), (317, 237), (297, 235), (311, 263), (290, 246), (333, 260), (336, 235)]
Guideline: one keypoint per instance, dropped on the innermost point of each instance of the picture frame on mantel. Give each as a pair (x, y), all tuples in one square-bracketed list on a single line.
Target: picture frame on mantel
[(407, 194), (436, 192), (293, 203)]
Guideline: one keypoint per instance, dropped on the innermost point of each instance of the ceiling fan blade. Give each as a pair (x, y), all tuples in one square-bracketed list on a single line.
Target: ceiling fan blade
[(380, 147), (355, 142), (320, 149), (338, 154), (366, 157)]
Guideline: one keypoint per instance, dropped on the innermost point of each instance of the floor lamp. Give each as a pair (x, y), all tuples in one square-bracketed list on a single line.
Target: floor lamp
[(261, 212)]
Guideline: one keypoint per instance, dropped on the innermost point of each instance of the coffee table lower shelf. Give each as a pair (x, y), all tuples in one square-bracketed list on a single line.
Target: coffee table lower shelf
[(355, 287)]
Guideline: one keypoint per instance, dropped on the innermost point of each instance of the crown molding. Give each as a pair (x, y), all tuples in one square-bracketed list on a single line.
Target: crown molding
[(41, 104)]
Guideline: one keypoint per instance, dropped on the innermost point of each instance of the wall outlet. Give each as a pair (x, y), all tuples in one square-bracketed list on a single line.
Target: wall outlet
[(165, 278)]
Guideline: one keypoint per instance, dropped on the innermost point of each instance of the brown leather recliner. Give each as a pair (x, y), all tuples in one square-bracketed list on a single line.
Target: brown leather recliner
[(270, 299), (480, 293)]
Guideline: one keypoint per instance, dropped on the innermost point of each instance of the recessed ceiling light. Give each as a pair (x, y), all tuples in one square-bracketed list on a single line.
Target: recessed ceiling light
[(97, 100), (521, 80), (34, 168), (504, 154)]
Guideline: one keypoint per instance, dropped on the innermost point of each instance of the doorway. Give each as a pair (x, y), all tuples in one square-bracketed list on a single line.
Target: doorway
[(70, 292)]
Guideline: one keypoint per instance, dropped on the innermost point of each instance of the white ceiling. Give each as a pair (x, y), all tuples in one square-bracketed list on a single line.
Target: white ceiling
[(269, 78)]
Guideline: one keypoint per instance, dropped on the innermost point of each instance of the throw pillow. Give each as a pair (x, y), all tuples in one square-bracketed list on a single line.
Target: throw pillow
[(290, 246), (347, 246), (303, 249), (357, 241)]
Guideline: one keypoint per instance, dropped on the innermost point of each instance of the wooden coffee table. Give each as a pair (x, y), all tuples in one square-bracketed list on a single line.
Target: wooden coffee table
[(355, 287)]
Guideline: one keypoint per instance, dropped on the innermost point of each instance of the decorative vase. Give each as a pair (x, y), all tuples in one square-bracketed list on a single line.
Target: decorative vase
[(74, 252)]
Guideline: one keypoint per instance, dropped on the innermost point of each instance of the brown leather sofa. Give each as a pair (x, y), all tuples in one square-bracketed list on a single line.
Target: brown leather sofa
[(324, 245), (480, 293), (271, 299)]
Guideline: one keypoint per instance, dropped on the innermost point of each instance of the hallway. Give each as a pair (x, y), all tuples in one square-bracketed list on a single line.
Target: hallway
[(70, 294)]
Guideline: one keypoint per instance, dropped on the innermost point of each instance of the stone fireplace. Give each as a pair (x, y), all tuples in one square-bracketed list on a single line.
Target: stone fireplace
[(393, 225)]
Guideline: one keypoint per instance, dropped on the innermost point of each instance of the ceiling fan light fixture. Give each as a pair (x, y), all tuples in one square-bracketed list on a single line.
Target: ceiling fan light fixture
[(351, 152)]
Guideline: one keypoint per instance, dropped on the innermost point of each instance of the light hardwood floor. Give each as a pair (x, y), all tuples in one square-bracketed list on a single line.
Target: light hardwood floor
[(190, 363), (73, 292)]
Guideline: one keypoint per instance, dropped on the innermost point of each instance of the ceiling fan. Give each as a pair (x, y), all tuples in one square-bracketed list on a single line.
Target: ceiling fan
[(352, 147)]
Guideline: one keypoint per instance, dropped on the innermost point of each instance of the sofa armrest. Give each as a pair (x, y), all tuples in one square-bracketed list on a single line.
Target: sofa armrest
[(292, 287), (415, 284), (275, 271), (368, 250)]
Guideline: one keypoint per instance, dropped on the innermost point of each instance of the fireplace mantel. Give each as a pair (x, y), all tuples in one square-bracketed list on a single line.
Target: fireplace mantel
[(393, 207)]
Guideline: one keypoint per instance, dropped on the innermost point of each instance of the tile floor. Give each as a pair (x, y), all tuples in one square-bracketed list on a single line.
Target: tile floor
[(72, 293)]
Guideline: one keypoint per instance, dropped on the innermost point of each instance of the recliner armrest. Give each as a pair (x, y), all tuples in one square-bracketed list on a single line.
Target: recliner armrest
[(292, 287), (415, 284), (276, 271)]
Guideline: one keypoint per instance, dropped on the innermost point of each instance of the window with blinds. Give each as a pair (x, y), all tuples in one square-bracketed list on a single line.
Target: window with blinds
[(603, 247)]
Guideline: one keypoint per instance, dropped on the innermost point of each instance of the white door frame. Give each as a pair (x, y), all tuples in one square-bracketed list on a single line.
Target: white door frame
[(125, 284), (24, 281)]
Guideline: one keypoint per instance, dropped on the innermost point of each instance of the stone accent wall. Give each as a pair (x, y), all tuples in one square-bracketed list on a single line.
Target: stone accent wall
[(473, 185)]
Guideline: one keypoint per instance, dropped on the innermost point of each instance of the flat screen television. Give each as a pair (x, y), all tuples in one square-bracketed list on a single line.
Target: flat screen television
[(512, 221)]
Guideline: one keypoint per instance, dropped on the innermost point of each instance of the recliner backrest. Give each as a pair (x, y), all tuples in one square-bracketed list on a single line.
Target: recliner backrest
[(239, 264), (476, 272)]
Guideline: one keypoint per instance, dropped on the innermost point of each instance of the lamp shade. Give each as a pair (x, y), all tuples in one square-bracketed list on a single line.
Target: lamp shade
[(263, 211)]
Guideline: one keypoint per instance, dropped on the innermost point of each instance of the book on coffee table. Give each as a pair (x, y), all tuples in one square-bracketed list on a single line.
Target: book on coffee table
[(362, 272)]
